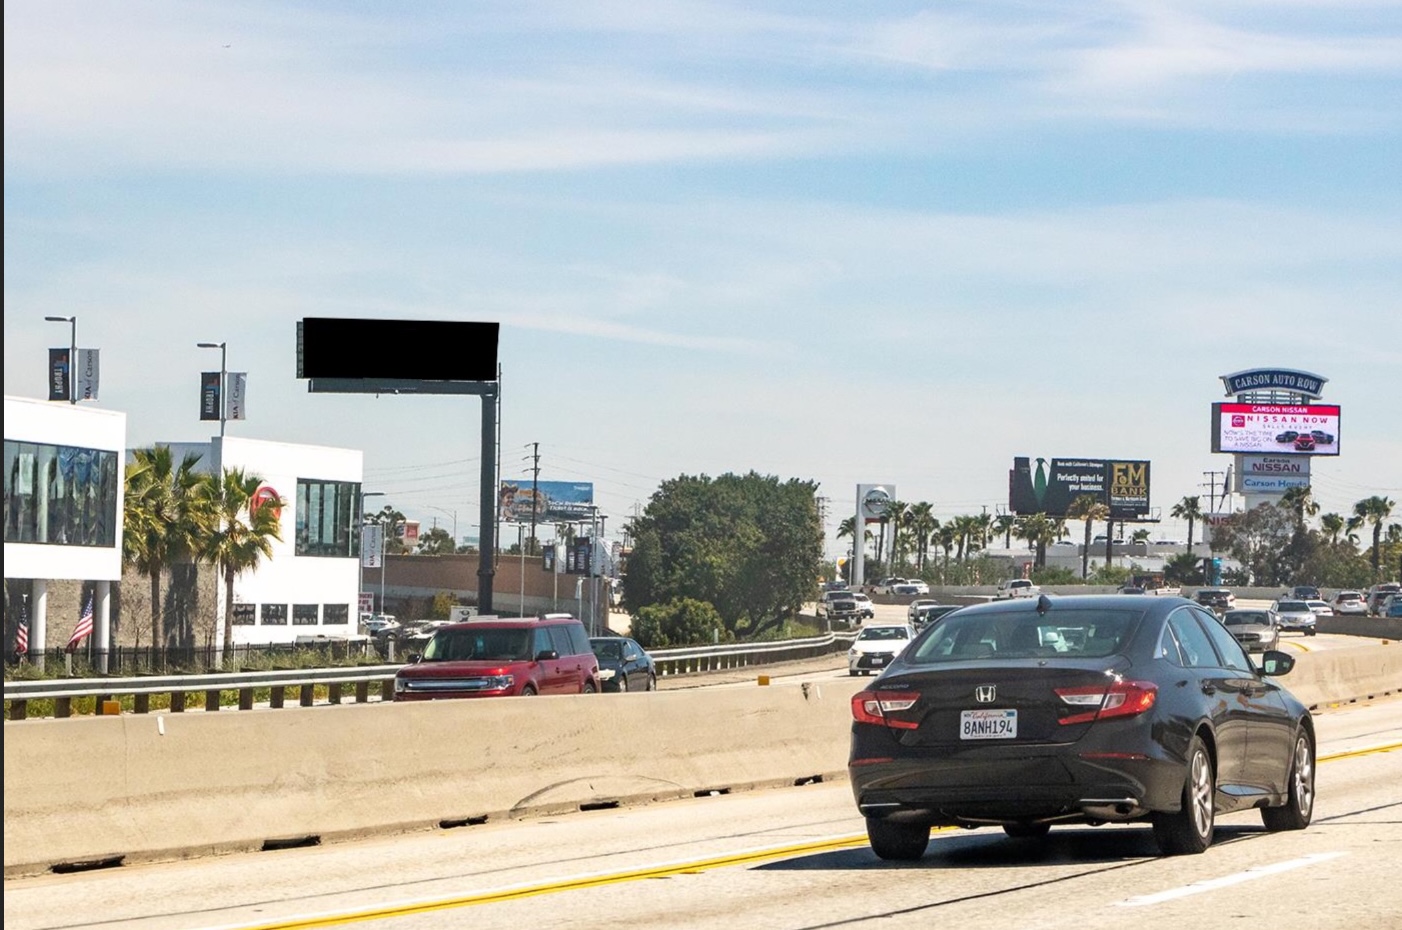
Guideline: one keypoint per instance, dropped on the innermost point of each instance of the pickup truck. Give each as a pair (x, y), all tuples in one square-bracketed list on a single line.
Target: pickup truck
[(1015, 587)]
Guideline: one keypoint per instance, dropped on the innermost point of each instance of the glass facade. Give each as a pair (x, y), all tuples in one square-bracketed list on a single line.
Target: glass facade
[(327, 514), (335, 614), (244, 614), (274, 614), (306, 614), (60, 495)]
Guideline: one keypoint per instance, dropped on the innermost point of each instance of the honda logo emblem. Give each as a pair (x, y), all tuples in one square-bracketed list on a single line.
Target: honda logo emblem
[(986, 694)]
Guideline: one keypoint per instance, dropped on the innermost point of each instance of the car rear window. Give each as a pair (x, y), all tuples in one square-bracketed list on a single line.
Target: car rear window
[(884, 632), (1072, 633), (1296, 606), (1236, 618), (483, 643)]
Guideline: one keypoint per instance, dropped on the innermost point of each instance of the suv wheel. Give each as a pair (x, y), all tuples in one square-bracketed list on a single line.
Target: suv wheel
[(588, 687)]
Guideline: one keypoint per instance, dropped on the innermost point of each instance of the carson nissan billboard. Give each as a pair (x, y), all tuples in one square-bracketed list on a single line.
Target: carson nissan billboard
[(1276, 429), (1121, 484)]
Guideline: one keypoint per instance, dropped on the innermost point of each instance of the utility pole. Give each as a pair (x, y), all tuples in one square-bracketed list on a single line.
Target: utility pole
[(1211, 485), (535, 487)]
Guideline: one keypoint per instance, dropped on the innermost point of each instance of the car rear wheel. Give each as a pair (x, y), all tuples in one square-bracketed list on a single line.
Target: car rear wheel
[(899, 842), (1188, 830), (1027, 831), (652, 682), (1299, 807), (622, 682), (528, 691), (588, 687)]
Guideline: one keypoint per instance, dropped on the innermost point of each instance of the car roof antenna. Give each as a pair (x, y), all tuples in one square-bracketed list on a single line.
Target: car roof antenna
[(1043, 604)]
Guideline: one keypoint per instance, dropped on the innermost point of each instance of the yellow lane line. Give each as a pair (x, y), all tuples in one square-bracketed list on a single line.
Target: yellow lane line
[(1300, 646), (516, 892)]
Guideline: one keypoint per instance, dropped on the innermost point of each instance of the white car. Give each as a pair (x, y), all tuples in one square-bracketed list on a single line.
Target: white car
[(1350, 602), (1320, 608), (1295, 615), (1016, 587), (865, 609), (876, 646), (910, 589), (916, 606)]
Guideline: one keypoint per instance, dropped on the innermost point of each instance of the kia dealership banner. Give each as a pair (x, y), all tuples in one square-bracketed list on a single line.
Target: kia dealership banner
[(1276, 429)]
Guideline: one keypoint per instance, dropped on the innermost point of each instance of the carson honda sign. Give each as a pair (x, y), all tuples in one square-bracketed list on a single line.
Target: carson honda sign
[(1272, 474)]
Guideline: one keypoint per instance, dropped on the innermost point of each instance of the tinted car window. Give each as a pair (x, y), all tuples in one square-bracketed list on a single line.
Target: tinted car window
[(541, 642), (1194, 646), (560, 640), (1231, 652), (579, 640), (1023, 635), (1245, 617), (883, 632), (483, 644)]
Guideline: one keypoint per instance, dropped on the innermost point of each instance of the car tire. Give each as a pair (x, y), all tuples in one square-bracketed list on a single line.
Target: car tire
[(853, 672), (622, 684), (588, 688), (528, 691), (1295, 814), (1188, 830), (897, 842), (652, 683), (1310, 632)]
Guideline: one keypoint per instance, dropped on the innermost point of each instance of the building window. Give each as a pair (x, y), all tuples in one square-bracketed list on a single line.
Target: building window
[(327, 512), (274, 614), (335, 614), (60, 495), (305, 614), (244, 614)]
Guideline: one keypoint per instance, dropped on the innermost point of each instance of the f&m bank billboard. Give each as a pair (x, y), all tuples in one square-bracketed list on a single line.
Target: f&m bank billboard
[(1050, 487)]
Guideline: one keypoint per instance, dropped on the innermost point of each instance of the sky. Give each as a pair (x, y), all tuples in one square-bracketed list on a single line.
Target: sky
[(892, 243)]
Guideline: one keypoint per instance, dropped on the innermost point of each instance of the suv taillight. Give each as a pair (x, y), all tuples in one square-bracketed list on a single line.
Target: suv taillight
[(1120, 699), (873, 707)]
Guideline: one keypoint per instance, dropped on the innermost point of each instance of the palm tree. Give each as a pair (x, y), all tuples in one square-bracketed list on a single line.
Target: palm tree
[(1333, 525), (1089, 508), (165, 513), (894, 518), (1190, 509), (243, 535), (1374, 510), (983, 525), (1003, 525), (922, 524), (947, 537), (1300, 500), (1040, 531)]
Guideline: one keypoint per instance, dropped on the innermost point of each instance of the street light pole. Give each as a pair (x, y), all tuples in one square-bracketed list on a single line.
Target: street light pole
[(223, 378), (72, 322)]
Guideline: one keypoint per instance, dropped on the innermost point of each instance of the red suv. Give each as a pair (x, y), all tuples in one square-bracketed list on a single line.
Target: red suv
[(491, 657)]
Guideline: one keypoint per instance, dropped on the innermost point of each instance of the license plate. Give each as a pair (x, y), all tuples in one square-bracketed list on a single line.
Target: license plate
[(988, 724), (878, 660)]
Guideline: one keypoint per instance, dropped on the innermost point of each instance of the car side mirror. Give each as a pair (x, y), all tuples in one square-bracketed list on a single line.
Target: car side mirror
[(415, 658), (631, 657), (546, 655), (1275, 663)]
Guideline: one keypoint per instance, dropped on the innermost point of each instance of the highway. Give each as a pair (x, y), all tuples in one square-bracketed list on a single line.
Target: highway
[(793, 858)]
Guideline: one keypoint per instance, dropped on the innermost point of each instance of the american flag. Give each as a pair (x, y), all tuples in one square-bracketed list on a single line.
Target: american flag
[(83, 629), (22, 631)]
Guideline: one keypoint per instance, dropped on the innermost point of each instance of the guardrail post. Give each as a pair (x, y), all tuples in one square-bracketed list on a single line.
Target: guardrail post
[(245, 699), (211, 701), (141, 703), (63, 707), (19, 709), (308, 694), (362, 692), (279, 693), (333, 692), (387, 689), (177, 702)]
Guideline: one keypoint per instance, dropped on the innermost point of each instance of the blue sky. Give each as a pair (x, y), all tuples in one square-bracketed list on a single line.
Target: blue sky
[(848, 243)]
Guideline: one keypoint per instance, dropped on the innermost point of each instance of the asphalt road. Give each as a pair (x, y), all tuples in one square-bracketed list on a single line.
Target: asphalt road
[(792, 858)]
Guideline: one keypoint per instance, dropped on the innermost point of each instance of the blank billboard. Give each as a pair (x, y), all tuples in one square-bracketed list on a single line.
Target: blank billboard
[(423, 350)]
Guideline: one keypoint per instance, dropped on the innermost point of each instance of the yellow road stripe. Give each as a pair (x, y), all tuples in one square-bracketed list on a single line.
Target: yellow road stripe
[(749, 857)]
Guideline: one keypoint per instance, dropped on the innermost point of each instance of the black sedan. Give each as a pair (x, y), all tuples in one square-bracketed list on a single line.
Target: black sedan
[(1078, 710), (623, 664)]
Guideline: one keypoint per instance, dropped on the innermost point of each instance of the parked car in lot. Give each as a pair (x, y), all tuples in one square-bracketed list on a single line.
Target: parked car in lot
[(492, 657), (623, 664), (1378, 593), (1085, 709), (1256, 630), (1349, 603), (1295, 617), (876, 646)]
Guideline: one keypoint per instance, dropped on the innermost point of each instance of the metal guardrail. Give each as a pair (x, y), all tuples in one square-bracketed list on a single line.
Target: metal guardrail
[(62, 691)]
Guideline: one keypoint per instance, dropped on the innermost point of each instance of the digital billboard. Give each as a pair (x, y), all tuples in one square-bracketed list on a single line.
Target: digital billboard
[(555, 501), (1276, 429), (1050, 487)]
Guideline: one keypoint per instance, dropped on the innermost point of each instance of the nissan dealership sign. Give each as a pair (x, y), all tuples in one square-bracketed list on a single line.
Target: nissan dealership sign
[(1272, 474), (1276, 429)]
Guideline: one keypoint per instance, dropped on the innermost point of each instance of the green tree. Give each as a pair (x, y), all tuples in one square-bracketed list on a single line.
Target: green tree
[(436, 541), (680, 622), (1087, 507), (1190, 509), (1374, 510), (1183, 569), (243, 532), (1040, 531), (749, 545), (165, 516), (1333, 525), (922, 526), (1003, 525), (1299, 501), (393, 521), (1260, 540)]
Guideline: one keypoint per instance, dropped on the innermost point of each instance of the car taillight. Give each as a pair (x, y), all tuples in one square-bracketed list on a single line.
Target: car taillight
[(1120, 699), (873, 706)]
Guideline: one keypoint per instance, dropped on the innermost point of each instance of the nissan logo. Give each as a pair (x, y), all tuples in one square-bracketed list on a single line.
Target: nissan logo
[(986, 694)]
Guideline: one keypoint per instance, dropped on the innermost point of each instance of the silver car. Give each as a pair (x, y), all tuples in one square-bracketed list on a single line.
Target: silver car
[(1256, 630), (1295, 615)]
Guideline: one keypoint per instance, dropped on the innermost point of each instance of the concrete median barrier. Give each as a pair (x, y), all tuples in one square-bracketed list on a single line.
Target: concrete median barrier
[(164, 786)]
